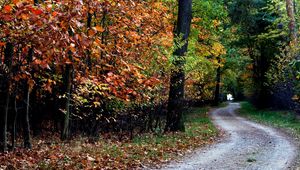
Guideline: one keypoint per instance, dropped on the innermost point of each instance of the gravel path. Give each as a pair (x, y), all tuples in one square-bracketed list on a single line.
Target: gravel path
[(248, 145)]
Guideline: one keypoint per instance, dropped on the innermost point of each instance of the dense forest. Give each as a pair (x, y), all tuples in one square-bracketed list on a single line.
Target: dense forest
[(72, 68)]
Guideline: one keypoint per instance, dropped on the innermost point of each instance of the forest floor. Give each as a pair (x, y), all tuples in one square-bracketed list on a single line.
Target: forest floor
[(111, 153), (246, 145)]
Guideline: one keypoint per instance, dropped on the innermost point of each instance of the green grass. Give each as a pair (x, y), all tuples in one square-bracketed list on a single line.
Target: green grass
[(197, 123), (199, 131), (282, 119)]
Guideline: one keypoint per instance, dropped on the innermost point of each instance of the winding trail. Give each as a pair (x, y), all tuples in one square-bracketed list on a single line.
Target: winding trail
[(248, 145)]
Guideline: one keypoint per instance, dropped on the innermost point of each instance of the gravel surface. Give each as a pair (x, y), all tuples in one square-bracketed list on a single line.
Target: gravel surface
[(247, 145)]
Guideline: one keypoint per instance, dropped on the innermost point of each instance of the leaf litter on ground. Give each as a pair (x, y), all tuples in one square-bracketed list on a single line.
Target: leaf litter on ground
[(145, 150)]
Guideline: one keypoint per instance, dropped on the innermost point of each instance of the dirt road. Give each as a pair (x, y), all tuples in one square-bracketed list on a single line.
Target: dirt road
[(248, 145)]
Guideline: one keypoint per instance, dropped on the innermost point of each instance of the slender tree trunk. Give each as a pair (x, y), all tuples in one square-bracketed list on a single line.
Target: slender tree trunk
[(68, 78), (292, 21), (68, 86), (89, 25), (26, 125), (13, 131), (218, 81), (31, 98), (4, 119), (176, 94), (104, 34), (8, 53), (103, 20)]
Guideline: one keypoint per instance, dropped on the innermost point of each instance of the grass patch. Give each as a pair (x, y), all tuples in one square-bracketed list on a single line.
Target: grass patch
[(199, 131), (281, 119), (107, 153)]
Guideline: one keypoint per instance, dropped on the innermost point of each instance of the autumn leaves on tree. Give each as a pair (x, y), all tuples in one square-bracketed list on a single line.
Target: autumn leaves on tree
[(89, 67), (80, 55)]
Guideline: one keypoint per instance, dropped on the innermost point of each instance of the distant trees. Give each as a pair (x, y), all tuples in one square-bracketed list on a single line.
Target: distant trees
[(207, 51), (255, 20), (268, 30)]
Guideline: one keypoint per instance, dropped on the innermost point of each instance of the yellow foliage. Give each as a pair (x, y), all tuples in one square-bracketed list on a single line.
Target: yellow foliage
[(196, 19), (217, 49), (204, 50), (216, 23)]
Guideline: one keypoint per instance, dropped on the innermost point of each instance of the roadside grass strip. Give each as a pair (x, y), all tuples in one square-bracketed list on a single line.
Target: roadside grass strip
[(281, 119)]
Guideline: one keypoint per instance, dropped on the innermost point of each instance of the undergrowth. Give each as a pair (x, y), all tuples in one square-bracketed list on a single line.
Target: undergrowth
[(143, 151), (281, 119)]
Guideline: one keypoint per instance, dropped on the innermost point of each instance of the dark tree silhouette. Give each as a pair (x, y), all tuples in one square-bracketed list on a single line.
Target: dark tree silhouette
[(176, 94)]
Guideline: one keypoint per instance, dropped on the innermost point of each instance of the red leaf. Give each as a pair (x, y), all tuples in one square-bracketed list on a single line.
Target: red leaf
[(2, 43), (36, 11), (7, 8), (54, 13)]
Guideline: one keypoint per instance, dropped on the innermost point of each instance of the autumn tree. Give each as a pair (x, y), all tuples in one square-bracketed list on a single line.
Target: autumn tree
[(85, 61), (176, 94)]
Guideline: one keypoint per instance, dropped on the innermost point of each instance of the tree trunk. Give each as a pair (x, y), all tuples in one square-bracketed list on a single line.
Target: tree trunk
[(68, 78), (89, 25), (68, 86), (8, 53), (26, 125), (176, 94), (292, 21), (218, 81), (13, 130)]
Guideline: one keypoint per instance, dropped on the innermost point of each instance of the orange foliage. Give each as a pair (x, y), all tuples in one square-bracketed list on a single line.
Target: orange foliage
[(121, 45)]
